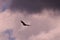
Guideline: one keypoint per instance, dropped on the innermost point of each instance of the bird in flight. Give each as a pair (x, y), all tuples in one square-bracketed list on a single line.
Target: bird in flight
[(24, 23)]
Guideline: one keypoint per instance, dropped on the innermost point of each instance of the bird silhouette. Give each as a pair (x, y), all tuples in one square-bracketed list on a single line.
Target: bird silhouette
[(24, 23)]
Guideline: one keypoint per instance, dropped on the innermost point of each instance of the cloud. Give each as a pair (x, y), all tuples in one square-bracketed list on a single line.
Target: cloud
[(5, 4), (51, 35), (44, 26), (53, 22), (8, 20), (34, 6)]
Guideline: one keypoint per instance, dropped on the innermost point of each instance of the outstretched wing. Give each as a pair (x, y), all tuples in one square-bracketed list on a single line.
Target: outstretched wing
[(24, 23)]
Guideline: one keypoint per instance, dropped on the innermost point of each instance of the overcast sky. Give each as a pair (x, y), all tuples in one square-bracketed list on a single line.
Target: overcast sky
[(45, 24)]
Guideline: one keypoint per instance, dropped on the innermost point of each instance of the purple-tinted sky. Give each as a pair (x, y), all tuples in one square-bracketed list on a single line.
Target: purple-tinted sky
[(45, 25), (35, 5), (5, 4)]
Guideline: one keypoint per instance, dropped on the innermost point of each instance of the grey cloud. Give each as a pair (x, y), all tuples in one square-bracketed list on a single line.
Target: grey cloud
[(34, 5)]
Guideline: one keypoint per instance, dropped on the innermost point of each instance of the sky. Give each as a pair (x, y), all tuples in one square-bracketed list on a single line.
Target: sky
[(33, 6), (45, 22)]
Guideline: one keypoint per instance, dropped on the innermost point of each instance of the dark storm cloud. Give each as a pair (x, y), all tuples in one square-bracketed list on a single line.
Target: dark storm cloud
[(34, 5)]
